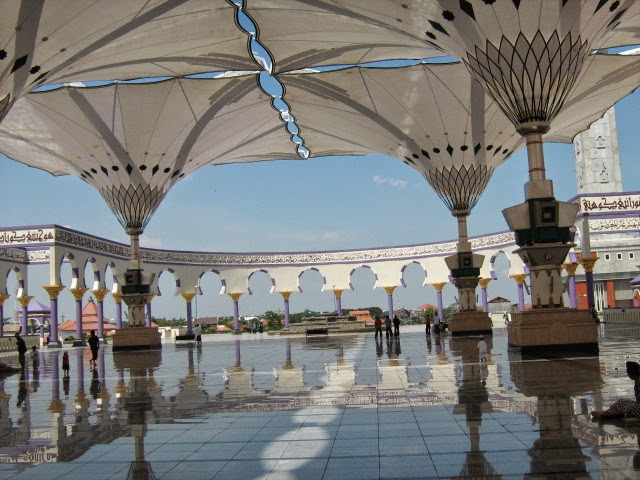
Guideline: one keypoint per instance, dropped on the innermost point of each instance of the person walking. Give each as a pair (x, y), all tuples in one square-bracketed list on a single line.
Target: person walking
[(427, 325), (94, 345), (22, 349), (65, 365), (396, 326), (482, 349), (378, 326), (387, 324), (197, 330)]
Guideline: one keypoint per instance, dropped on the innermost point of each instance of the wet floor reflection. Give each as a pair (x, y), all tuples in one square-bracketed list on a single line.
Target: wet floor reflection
[(242, 402)]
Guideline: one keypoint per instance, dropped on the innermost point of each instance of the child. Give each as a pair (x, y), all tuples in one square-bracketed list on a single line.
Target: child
[(65, 364)]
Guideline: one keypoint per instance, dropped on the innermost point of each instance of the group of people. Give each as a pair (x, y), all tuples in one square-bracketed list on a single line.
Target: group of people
[(392, 327)]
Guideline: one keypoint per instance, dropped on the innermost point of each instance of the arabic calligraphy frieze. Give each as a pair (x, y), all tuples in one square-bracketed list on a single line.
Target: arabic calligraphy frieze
[(26, 237), (60, 236), (614, 224), (92, 244), (15, 254), (609, 203), (39, 256)]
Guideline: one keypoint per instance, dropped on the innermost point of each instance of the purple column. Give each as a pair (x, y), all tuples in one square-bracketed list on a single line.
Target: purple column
[(338, 294), (79, 319), (238, 361), (285, 296), (100, 316), (53, 322), (439, 287), (147, 317), (521, 297), (1, 319), (389, 291), (189, 318), (573, 300), (484, 283), (23, 320), (118, 310), (78, 293), (55, 378), (288, 347)]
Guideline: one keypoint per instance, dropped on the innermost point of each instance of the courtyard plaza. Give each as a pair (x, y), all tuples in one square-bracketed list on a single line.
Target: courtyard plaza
[(258, 406)]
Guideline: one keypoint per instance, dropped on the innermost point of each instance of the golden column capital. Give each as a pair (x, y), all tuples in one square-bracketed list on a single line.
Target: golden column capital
[(235, 296), (484, 282), (121, 389), (570, 268), (117, 297), (188, 296), (53, 290), (78, 293), (588, 263), (338, 292), (24, 301), (286, 294), (389, 290), (519, 278), (3, 297), (439, 286), (100, 294)]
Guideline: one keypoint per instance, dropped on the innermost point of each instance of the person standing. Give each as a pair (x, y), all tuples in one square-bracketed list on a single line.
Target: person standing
[(197, 330), (94, 345), (22, 349), (396, 326), (427, 325), (378, 326), (482, 349), (65, 366), (387, 324)]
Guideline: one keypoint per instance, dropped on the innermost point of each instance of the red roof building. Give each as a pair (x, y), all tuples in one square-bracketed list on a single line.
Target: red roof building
[(362, 316), (89, 322)]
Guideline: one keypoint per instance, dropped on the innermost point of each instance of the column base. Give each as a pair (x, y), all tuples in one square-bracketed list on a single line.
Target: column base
[(54, 345), (470, 323), (545, 330), (79, 343), (137, 338), (237, 332)]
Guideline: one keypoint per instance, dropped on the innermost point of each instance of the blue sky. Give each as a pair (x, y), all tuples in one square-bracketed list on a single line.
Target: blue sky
[(315, 204)]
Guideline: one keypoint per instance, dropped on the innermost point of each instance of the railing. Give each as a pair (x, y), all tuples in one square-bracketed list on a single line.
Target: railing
[(621, 315)]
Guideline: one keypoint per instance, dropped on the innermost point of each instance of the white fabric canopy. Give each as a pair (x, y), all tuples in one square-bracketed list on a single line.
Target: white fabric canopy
[(44, 42), (143, 138), (526, 54), (435, 118)]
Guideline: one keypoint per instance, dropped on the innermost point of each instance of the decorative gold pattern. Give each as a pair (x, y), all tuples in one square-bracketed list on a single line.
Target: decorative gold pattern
[(519, 278), (53, 290), (389, 290), (24, 301), (484, 282), (589, 263), (100, 294), (570, 268), (188, 296), (235, 296), (286, 294), (78, 293), (439, 286)]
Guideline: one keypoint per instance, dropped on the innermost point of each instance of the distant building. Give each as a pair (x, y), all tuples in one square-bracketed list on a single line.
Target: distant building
[(362, 316), (402, 313), (419, 311), (499, 305), (207, 321)]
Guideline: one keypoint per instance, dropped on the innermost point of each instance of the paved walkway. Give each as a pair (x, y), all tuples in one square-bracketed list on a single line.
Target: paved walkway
[(338, 407)]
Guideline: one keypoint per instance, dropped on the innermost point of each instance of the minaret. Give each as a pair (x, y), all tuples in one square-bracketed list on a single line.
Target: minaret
[(597, 157)]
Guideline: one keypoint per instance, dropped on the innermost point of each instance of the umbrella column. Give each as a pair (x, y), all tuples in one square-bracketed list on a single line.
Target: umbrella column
[(136, 293), (465, 270), (544, 231)]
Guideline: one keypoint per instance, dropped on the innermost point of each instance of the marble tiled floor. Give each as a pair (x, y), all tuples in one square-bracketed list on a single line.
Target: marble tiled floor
[(340, 407)]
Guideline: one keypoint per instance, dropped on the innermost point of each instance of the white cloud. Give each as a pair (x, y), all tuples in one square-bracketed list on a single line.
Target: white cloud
[(149, 242), (394, 182), (330, 235)]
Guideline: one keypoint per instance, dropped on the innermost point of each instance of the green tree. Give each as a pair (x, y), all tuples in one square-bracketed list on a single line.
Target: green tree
[(274, 320)]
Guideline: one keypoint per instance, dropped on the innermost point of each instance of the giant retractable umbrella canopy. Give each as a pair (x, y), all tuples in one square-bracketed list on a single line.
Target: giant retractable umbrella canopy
[(434, 117), (133, 141), (46, 42)]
